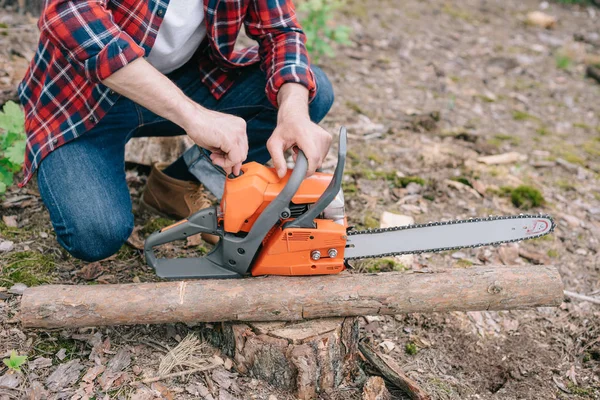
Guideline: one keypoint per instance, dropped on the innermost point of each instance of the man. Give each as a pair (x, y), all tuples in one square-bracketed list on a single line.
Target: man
[(107, 71)]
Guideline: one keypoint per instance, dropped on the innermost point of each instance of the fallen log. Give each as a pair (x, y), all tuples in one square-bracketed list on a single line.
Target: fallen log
[(276, 298)]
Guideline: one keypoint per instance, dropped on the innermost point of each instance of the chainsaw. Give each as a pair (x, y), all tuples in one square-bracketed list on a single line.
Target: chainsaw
[(297, 226)]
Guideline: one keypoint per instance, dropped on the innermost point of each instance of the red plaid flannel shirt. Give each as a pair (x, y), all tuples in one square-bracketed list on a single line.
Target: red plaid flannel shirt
[(83, 42)]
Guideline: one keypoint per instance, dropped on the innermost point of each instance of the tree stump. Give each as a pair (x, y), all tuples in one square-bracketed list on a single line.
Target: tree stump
[(307, 358), (150, 150)]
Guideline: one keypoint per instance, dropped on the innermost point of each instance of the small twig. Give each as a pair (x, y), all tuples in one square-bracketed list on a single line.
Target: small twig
[(582, 297), (175, 374)]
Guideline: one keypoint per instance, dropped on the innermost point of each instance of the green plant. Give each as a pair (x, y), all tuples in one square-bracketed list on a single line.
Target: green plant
[(12, 143), (411, 348), (319, 29), (563, 61), (526, 197), (15, 361)]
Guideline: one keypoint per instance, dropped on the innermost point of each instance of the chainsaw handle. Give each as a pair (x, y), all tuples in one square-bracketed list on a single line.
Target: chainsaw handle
[(306, 220)]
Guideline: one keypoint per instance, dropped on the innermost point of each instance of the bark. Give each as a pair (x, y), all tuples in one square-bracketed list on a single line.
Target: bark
[(392, 371), (307, 358), (279, 298)]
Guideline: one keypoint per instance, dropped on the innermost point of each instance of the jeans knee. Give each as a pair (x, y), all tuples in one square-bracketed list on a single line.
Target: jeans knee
[(96, 240), (324, 98)]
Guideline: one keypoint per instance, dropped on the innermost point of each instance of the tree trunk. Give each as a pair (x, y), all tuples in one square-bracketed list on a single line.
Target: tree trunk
[(307, 358), (278, 298)]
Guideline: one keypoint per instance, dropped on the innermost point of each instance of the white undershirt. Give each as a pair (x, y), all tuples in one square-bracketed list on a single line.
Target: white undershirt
[(179, 35)]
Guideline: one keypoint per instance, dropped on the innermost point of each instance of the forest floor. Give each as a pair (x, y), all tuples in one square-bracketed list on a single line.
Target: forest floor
[(425, 89)]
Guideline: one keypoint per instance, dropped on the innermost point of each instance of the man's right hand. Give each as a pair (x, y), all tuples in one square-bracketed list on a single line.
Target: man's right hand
[(222, 134)]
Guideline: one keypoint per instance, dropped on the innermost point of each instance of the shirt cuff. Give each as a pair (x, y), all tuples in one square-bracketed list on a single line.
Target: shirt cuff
[(114, 56), (290, 73)]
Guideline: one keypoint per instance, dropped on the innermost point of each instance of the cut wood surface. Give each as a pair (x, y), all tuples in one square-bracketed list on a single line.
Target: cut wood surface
[(278, 298)]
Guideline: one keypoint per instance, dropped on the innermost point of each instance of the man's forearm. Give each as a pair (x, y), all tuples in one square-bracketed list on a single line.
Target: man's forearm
[(293, 101), (145, 85)]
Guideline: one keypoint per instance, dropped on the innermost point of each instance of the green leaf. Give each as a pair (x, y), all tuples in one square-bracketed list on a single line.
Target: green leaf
[(15, 361), (16, 153), (6, 175), (2, 188), (12, 119)]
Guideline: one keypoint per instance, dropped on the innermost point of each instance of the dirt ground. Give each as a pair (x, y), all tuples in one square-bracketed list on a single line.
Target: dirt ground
[(425, 89)]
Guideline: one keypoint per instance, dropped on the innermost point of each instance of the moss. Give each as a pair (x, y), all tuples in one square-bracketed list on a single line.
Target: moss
[(375, 158), (405, 180), (156, 224), (580, 391), (370, 222), (500, 138), (125, 253), (383, 265), (10, 233), (349, 187), (582, 125), (48, 347), (522, 116), (592, 148), (574, 158), (462, 180), (565, 184), (28, 267), (355, 107), (464, 263), (543, 131), (411, 349), (552, 253), (457, 13), (526, 197)]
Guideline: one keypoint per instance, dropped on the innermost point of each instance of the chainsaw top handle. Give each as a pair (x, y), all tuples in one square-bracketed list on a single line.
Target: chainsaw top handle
[(232, 256)]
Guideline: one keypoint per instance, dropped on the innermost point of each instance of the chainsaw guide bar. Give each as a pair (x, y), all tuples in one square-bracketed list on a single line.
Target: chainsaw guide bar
[(365, 244)]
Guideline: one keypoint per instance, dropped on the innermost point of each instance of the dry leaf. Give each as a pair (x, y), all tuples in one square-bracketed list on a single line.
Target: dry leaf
[(10, 221), (90, 271), (135, 240)]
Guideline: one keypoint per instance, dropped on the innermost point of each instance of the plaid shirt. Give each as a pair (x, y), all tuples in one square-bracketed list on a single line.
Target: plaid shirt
[(83, 42)]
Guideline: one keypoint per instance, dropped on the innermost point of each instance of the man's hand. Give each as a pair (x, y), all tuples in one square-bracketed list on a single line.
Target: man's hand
[(294, 128), (222, 134)]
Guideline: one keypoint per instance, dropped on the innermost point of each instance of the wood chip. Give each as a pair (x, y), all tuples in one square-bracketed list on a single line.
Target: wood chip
[(93, 373), (505, 158), (541, 19), (10, 381), (90, 271), (10, 221), (65, 375), (375, 389), (40, 362)]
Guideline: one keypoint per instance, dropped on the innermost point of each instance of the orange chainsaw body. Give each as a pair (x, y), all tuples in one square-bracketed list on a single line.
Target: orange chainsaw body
[(284, 251)]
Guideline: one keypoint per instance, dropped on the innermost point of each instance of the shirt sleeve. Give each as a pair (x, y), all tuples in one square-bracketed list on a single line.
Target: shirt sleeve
[(282, 45), (91, 41)]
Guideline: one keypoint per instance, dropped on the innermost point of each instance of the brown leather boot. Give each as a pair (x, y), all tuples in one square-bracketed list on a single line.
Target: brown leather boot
[(174, 198)]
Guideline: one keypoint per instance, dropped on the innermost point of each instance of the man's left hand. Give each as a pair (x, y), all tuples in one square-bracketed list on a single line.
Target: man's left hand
[(295, 129)]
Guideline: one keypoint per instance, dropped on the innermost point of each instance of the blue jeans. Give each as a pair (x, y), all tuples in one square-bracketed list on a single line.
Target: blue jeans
[(82, 183)]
